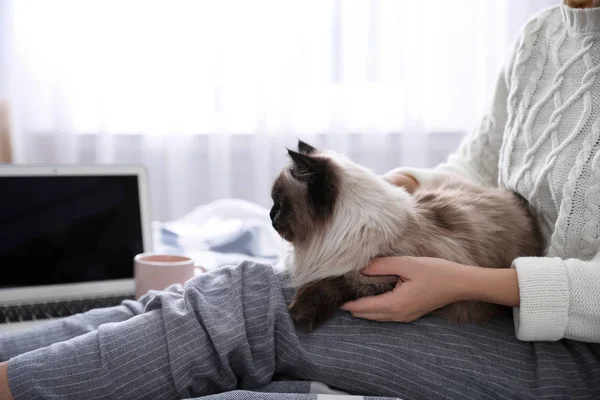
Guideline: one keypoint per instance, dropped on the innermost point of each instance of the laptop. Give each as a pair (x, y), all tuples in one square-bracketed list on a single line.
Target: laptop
[(68, 236)]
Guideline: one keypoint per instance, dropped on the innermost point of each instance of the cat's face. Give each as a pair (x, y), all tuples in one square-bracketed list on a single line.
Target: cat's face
[(305, 193)]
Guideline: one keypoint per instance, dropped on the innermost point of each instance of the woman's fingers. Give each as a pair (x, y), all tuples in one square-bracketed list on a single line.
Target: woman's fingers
[(408, 182), (371, 304)]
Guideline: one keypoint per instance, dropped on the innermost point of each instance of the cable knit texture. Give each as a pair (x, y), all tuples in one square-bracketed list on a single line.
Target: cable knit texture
[(540, 137)]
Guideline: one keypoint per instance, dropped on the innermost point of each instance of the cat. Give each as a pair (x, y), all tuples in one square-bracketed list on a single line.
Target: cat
[(338, 216)]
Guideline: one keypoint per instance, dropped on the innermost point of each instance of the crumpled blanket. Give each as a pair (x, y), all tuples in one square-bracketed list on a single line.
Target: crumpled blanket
[(224, 232)]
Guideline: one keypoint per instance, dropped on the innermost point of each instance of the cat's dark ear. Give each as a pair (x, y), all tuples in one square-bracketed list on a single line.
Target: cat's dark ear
[(305, 164), (305, 148), (321, 178)]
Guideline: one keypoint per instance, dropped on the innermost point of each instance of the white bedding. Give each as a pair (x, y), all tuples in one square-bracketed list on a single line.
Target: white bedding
[(224, 232)]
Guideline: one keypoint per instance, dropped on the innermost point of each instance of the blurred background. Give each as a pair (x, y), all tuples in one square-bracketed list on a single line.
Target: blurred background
[(207, 94)]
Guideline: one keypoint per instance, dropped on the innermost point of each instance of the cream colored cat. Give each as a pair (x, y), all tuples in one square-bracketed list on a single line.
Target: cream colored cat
[(338, 216)]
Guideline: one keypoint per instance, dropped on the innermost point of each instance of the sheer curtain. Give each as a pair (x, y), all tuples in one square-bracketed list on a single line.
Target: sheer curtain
[(207, 94)]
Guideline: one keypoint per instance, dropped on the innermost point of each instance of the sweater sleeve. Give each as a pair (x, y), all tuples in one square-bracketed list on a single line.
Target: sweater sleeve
[(477, 157), (559, 299)]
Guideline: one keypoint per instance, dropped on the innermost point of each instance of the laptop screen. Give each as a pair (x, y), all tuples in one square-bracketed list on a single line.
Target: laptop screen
[(68, 229)]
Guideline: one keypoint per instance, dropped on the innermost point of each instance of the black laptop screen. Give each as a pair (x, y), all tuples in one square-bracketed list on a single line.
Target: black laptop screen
[(68, 229)]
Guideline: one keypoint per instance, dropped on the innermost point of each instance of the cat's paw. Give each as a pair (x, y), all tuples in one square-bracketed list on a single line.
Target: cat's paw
[(316, 302), (304, 317)]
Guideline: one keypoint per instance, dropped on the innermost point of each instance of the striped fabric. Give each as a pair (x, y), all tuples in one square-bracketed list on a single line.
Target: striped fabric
[(228, 334)]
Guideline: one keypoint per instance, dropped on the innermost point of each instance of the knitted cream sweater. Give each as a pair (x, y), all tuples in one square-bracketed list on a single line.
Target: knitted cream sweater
[(541, 138)]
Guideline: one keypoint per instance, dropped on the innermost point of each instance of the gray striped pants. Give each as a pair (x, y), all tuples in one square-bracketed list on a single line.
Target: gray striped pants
[(229, 329)]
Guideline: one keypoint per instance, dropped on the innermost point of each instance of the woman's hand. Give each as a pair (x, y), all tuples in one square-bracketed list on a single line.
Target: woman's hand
[(405, 181), (427, 284)]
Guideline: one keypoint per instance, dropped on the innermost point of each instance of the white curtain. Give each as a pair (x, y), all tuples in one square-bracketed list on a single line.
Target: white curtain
[(207, 94)]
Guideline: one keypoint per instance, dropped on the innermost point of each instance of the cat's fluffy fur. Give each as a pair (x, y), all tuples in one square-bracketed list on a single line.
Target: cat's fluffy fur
[(339, 215)]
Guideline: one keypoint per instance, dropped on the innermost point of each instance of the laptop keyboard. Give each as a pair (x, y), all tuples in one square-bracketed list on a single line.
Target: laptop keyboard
[(32, 312)]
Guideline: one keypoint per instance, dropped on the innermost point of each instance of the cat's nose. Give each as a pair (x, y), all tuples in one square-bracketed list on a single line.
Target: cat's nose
[(273, 212)]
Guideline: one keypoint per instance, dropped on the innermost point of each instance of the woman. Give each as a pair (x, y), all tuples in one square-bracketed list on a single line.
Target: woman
[(230, 329)]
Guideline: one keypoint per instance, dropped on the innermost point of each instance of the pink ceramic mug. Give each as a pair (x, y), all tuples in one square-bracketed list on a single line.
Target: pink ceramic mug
[(158, 271)]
